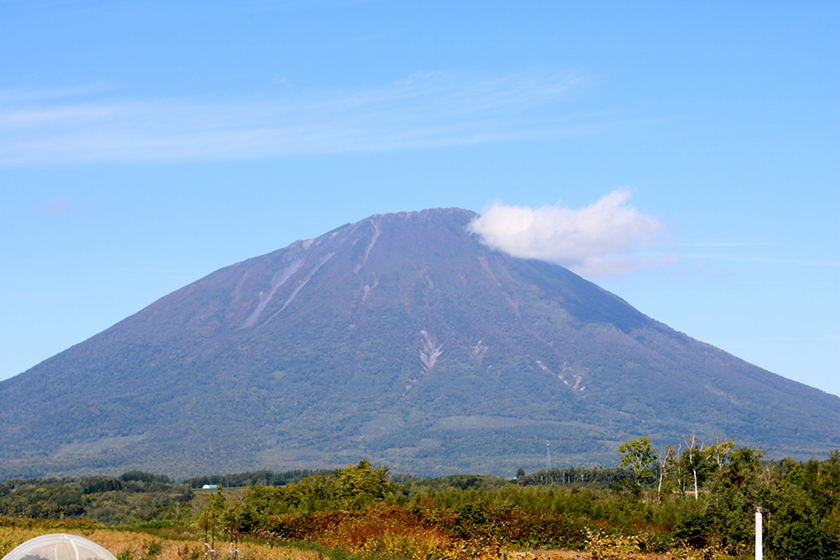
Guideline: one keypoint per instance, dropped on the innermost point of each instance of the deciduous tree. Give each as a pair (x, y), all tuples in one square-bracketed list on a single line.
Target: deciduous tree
[(692, 458), (667, 464), (639, 455), (717, 454)]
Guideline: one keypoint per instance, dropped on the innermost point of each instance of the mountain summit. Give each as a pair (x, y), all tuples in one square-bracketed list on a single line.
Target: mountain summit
[(400, 338)]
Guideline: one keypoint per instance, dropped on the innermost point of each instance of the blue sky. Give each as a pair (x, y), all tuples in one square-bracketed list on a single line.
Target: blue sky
[(144, 145)]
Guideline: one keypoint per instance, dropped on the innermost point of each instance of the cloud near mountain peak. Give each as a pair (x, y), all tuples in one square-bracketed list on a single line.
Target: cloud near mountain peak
[(603, 239)]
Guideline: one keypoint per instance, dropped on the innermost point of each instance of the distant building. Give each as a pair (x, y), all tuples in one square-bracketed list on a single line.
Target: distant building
[(210, 487)]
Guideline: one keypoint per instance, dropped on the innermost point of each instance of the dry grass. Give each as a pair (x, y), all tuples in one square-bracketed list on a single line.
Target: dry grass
[(387, 536), (357, 535), (142, 546), (384, 530)]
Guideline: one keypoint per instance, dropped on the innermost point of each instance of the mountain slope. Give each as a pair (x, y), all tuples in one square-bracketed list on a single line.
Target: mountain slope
[(400, 338)]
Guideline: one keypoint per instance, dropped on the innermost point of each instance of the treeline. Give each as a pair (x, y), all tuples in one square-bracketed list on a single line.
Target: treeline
[(131, 481), (133, 497), (602, 478), (262, 478)]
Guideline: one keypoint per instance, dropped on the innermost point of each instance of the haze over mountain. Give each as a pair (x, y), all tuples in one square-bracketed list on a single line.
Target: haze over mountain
[(403, 339)]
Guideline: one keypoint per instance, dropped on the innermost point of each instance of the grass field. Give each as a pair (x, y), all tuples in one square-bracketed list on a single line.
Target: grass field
[(140, 545), (173, 544)]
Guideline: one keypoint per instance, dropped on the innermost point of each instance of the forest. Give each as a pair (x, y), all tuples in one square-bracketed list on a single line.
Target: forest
[(696, 501)]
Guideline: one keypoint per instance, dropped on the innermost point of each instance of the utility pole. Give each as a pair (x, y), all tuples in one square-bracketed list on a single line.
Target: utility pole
[(759, 537), (547, 456)]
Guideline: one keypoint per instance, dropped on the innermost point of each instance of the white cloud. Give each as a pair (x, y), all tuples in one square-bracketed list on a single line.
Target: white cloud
[(425, 110), (603, 239)]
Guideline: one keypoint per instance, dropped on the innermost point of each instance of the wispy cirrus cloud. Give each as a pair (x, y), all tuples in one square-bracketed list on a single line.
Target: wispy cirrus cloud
[(28, 95), (425, 110), (603, 239)]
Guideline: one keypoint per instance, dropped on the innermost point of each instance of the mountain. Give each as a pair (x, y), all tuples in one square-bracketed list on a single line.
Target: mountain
[(400, 338)]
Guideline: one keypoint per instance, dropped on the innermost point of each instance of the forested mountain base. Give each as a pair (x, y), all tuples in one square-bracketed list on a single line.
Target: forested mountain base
[(360, 511)]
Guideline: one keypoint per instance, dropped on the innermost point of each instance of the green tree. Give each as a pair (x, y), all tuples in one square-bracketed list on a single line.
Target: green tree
[(717, 454), (734, 493), (805, 521), (639, 455), (357, 486)]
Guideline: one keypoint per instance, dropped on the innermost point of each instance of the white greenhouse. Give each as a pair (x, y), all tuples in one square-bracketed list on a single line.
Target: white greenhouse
[(59, 547)]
